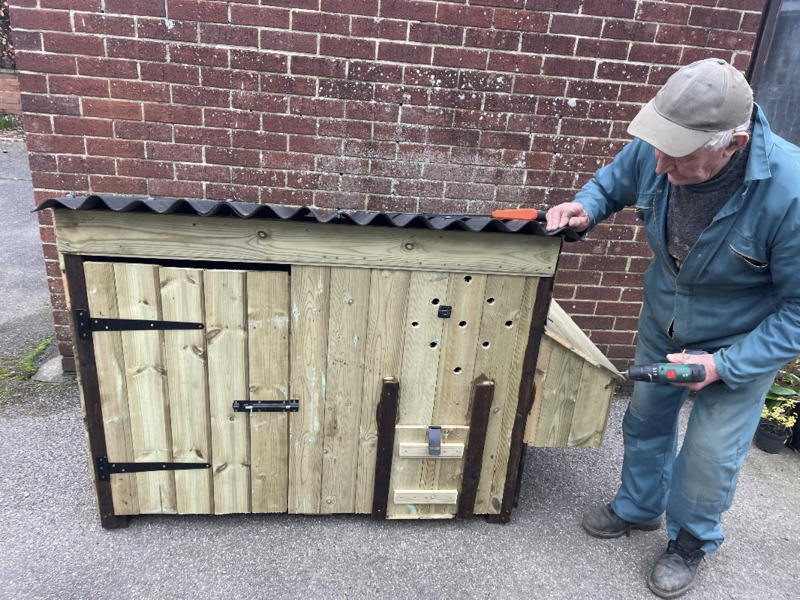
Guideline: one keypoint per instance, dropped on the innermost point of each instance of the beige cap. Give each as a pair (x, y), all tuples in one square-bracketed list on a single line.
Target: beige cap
[(697, 102)]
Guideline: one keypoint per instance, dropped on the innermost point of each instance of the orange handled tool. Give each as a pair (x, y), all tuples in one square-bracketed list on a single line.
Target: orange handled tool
[(509, 214)]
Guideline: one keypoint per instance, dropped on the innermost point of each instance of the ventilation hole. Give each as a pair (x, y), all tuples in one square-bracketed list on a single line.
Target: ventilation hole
[(468, 278), (490, 301), (485, 344), (509, 323), (462, 324), (435, 301), (415, 323), (457, 370), (434, 344)]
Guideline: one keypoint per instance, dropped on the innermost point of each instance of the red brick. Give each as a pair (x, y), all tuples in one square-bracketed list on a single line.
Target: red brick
[(371, 71), (348, 90), (405, 133), (518, 20), (637, 93), (145, 168), (282, 84), (232, 156), (258, 61), (199, 96), (456, 99), (343, 165), (602, 48), (87, 165), (37, 123), (206, 56), (661, 12), (229, 35), (586, 292), (750, 23), (465, 16), (117, 185), (285, 160), (674, 34), (108, 67), (105, 25), (320, 67), (202, 11), (306, 4), (630, 30), (168, 113), (691, 55), (169, 30), (138, 90), (610, 8), (286, 41), (369, 149), (145, 8), (383, 29), (225, 78), (533, 123), (421, 153), (540, 86), (563, 144), (115, 148), (259, 139), (400, 94), (202, 136), (481, 81), (475, 156), (260, 177), (319, 107), (203, 173), (405, 53), (174, 152), (67, 43), (731, 40), (347, 47), (431, 77), (316, 22), (569, 67), (430, 33), (315, 144), (343, 128), (408, 9), (78, 86), (427, 116), (712, 17), (350, 7), (234, 119), (540, 43), (136, 130), (576, 25), (163, 188), (28, 40), (40, 19), (371, 185), (479, 120), (45, 63), (83, 126), (112, 109), (515, 141), (59, 181), (392, 204), (460, 58), (312, 181), (259, 102), (54, 105), (260, 16)]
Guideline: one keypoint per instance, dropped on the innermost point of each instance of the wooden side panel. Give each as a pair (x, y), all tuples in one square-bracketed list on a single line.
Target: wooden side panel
[(310, 294), (347, 329), (139, 298), (384, 348), (185, 357), (227, 381), (110, 364), (497, 341), (561, 384), (591, 407), (268, 343)]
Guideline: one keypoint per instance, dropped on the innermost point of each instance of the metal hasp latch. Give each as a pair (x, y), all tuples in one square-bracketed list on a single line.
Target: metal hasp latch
[(105, 468), (252, 406), (86, 324), (434, 440), (445, 312)]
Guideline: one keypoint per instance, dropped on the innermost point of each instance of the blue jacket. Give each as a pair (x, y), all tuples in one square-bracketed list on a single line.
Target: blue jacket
[(736, 294)]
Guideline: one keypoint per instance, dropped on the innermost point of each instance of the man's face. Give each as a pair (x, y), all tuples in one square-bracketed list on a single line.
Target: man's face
[(697, 167)]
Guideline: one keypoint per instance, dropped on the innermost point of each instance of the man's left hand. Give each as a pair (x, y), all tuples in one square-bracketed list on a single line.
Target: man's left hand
[(707, 360)]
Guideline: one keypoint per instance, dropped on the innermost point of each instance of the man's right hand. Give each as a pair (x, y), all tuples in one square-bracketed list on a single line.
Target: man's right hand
[(568, 214)]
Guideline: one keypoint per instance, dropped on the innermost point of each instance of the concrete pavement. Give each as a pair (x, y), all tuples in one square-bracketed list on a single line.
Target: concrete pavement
[(52, 546)]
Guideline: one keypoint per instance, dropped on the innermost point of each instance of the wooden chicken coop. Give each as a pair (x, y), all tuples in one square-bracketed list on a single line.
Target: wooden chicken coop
[(241, 358)]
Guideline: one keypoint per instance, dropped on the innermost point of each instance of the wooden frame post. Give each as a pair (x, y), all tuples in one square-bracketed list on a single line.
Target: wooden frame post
[(483, 396), (387, 419)]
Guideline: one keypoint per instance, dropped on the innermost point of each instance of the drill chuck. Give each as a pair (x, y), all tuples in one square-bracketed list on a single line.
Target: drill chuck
[(667, 373)]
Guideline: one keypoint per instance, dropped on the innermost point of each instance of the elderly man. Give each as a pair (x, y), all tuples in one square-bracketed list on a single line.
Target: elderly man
[(719, 197)]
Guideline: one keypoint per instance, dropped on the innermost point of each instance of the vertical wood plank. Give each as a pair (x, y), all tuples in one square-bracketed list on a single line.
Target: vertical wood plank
[(268, 351), (500, 328), (310, 294), (591, 409), (384, 350), (347, 328), (224, 293), (101, 293), (386, 419), (139, 298), (561, 383), (483, 394), (185, 357), (75, 281)]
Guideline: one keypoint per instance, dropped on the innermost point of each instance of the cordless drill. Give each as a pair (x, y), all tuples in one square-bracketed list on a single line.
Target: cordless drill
[(667, 373)]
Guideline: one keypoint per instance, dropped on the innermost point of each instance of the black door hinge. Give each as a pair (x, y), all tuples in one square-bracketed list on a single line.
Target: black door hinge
[(252, 406), (105, 468), (86, 324)]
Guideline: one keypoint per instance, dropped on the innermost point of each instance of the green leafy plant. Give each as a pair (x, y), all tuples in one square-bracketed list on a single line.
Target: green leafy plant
[(783, 399)]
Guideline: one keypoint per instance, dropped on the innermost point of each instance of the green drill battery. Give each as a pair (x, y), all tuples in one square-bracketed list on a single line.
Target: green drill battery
[(667, 373)]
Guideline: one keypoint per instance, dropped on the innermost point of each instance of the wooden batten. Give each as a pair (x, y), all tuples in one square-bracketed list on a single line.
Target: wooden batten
[(190, 237)]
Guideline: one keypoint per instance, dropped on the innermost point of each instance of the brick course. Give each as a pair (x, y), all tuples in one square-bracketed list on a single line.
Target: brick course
[(407, 105)]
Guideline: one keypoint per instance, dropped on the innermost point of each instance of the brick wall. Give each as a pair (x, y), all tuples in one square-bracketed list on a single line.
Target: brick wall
[(9, 93), (433, 106)]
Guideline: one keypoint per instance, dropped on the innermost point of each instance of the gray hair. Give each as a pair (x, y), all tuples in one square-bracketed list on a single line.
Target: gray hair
[(724, 138)]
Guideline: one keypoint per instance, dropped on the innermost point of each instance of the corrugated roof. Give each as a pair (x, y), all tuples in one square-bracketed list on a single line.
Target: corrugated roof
[(248, 210)]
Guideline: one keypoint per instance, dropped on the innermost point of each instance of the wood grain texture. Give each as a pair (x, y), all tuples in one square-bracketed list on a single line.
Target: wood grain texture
[(290, 242), (268, 359)]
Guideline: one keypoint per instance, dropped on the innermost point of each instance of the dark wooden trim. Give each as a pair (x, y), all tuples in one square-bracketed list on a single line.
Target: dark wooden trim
[(387, 419), (90, 388), (520, 471), (482, 398), (763, 44), (526, 392)]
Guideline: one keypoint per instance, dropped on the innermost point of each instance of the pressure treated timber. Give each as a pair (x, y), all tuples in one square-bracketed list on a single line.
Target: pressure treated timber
[(386, 416), (422, 450), (191, 237), (425, 497)]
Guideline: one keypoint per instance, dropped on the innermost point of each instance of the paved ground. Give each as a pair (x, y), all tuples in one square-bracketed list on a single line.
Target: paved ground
[(52, 546)]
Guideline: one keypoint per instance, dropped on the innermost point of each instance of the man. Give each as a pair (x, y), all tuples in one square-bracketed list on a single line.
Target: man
[(717, 192)]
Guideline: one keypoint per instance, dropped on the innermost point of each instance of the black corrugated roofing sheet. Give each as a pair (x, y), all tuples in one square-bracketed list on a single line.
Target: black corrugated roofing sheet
[(248, 210)]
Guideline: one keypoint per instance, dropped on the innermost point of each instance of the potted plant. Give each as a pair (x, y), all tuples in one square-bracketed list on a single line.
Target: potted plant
[(779, 415)]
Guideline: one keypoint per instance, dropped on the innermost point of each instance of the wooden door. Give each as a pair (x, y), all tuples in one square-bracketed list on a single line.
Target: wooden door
[(167, 395)]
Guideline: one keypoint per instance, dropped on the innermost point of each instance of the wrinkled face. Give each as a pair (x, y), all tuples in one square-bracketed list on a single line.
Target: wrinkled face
[(697, 167)]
